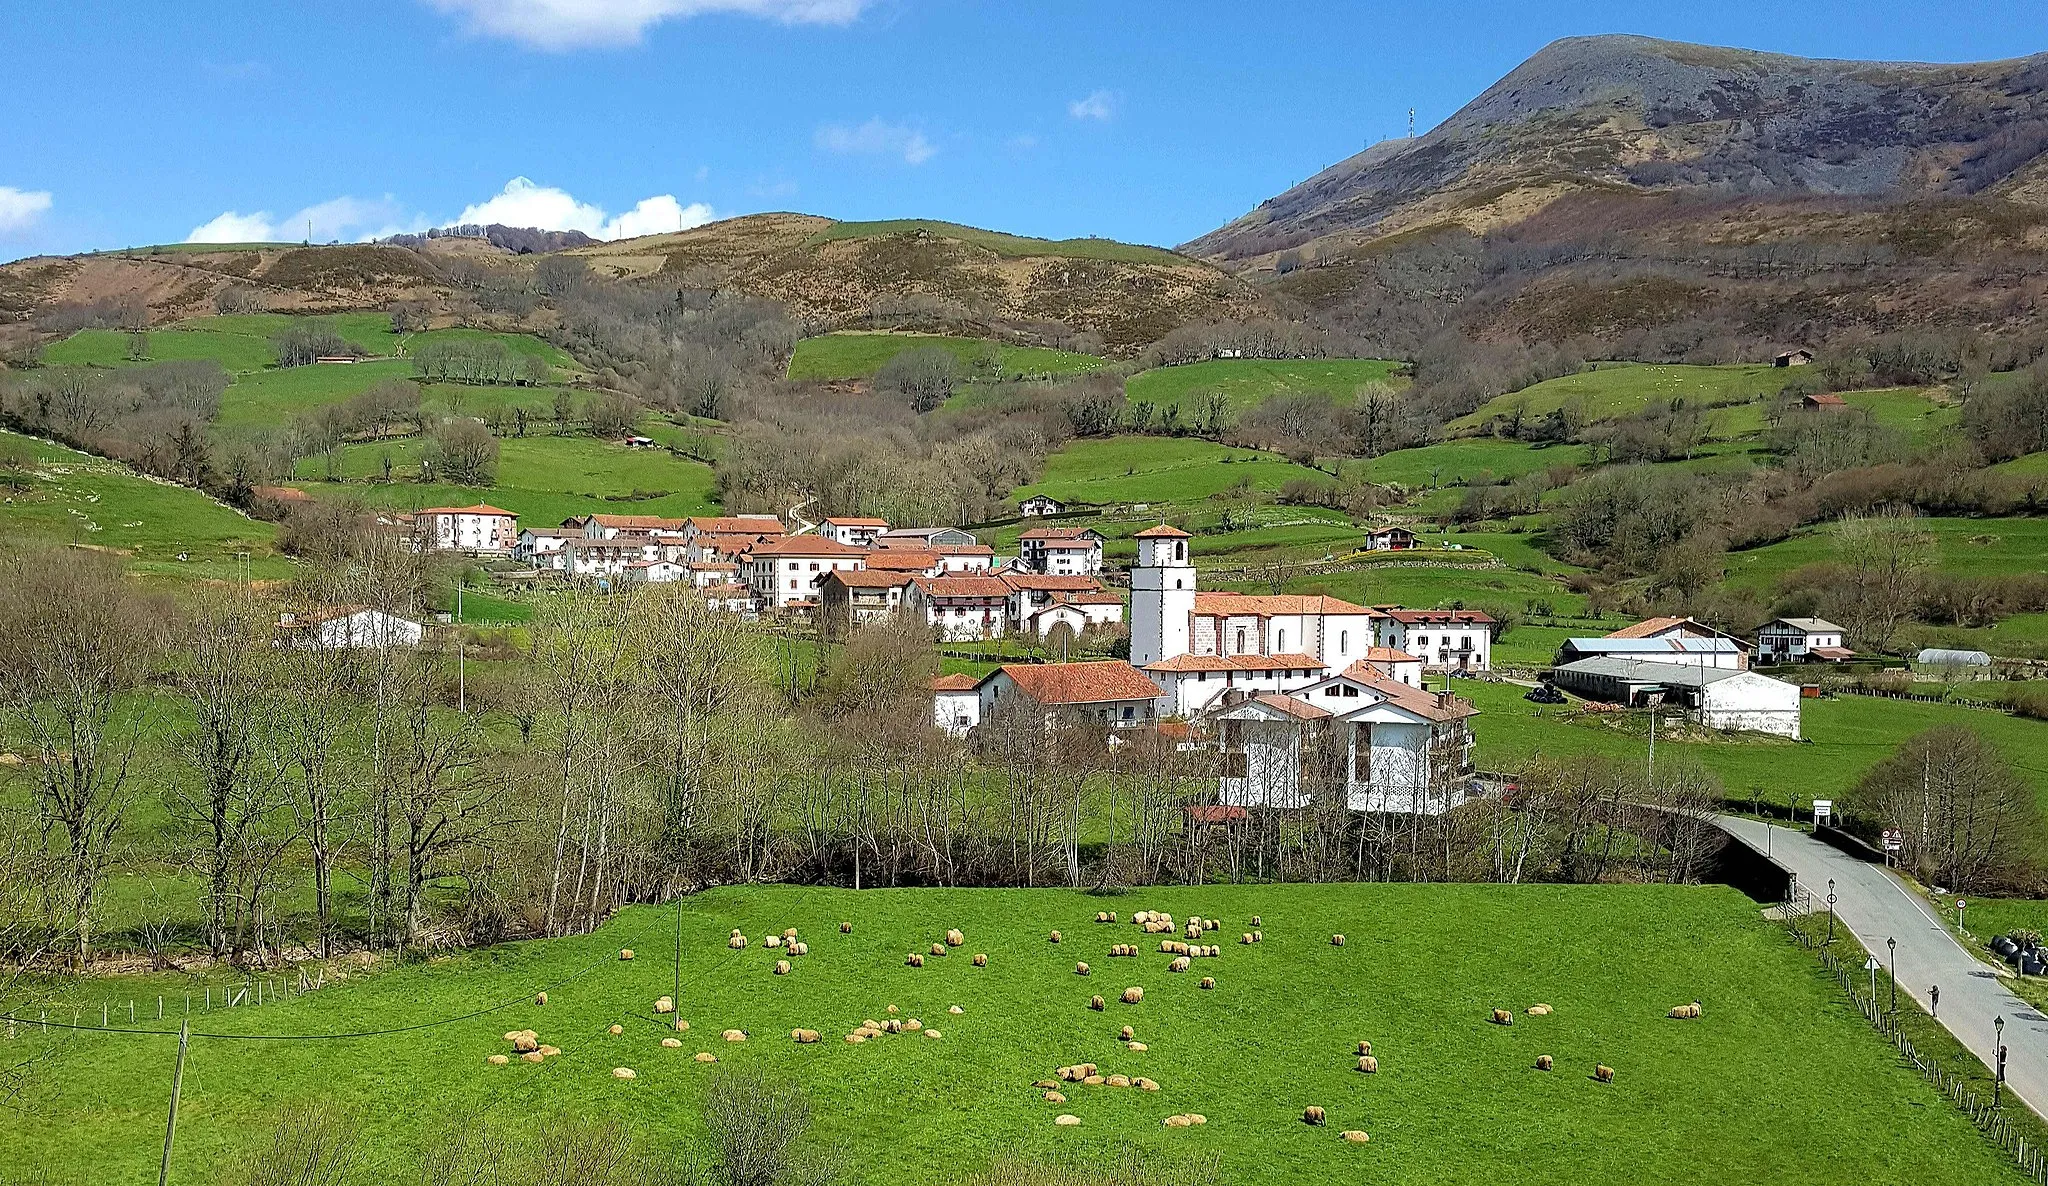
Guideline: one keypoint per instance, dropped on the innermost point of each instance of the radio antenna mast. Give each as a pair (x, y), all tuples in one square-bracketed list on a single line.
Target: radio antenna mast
[(1411, 123)]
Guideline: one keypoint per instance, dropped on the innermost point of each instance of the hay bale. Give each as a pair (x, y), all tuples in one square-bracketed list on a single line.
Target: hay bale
[(672, 1043), (664, 1005), (1066, 1120), (1543, 1062), (954, 938), (1117, 1081), (782, 967), (1144, 1084), (846, 928), (1054, 1097), (934, 1035), (523, 1043), (1312, 1115), (1354, 1136), (1365, 1047), (626, 953), (497, 1060), (1503, 1017), (1081, 969), (1140, 1047), (1368, 1065), (1603, 1073), (1053, 937), (532, 1056), (705, 1056), (616, 1030), (1208, 982), (540, 998), (1095, 1003), (955, 1009), (1133, 995), (734, 1035), (981, 959), (1336, 940)]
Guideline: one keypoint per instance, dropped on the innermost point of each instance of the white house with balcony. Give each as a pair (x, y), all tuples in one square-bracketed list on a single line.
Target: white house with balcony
[(480, 530), (1450, 640), (1801, 640), (788, 572), (1062, 551)]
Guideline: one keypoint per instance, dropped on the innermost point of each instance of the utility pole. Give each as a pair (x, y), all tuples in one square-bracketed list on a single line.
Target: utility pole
[(163, 1173), (1411, 123), (461, 673), (678, 997)]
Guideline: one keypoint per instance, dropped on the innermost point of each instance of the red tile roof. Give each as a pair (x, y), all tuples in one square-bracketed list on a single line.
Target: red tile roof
[(1299, 709), (854, 578), (1162, 532), (638, 522), (1216, 813), (902, 559), (1648, 627), (1096, 597), (1430, 706), (1389, 655), (962, 586), (1059, 533), (1238, 663), (955, 683), (805, 545), (1081, 683), (1439, 617), (1039, 583), (478, 509), (843, 521), (963, 549), (736, 524), (1222, 605)]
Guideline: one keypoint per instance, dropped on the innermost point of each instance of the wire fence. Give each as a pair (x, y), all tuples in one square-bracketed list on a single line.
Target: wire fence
[(1990, 1119), (252, 992)]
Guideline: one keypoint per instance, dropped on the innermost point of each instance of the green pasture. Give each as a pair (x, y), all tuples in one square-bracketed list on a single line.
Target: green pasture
[(1249, 382), (853, 355), (1458, 463), (1780, 1082), (1611, 390), (1007, 246), (1969, 547), (1162, 470)]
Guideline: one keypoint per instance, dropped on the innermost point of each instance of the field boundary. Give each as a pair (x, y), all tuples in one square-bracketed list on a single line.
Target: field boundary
[(2032, 1159)]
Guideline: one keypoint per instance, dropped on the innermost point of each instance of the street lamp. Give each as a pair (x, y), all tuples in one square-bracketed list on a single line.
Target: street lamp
[(1831, 910), (1893, 946)]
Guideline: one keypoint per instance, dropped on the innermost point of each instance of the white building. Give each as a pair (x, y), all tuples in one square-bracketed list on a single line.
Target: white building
[(845, 529), (1162, 596), (1717, 697), (1381, 744), (1110, 691), (1459, 640), (602, 527), (923, 537), (1194, 683), (1800, 640), (785, 573), (541, 548), (956, 703), (965, 558), (655, 572), (349, 626), (479, 530), (961, 608), (1039, 505), (1038, 603), (1717, 653), (1062, 551)]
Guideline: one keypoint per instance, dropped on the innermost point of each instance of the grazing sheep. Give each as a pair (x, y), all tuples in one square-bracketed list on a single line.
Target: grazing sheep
[(1118, 1081), (1180, 964), (1539, 1010), (1140, 1047), (938, 949), (672, 1043), (664, 1005), (1126, 1034), (892, 1026), (626, 953), (497, 1060), (1685, 1011), (1054, 1097), (1246, 939), (913, 960), (1336, 940), (1543, 1062), (856, 1038), (1101, 916), (540, 998), (789, 933), (804, 1037), (616, 1030), (1369, 1065), (532, 1056), (547, 1051), (1208, 982), (1144, 1084), (1255, 920), (892, 1010), (525, 1043), (1194, 929), (1080, 969), (955, 1009), (1365, 1047), (622, 1072), (737, 942), (1258, 936), (800, 948), (1094, 1080), (981, 959), (1354, 1136), (705, 1056), (1053, 938), (681, 1024), (1503, 1017), (1603, 1073), (1312, 1115), (1095, 1003), (954, 938), (782, 967), (735, 1035), (1133, 995), (771, 941), (1066, 1120), (911, 1025), (1176, 1121), (934, 1035), (846, 928)]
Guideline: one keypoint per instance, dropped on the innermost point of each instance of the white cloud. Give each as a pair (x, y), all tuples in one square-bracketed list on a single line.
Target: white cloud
[(578, 24), (20, 208), (324, 222), (876, 138), (235, 227), (523, 203), (1098, 106)]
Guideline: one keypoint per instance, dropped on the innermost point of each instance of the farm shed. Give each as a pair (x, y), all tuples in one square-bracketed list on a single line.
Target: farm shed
[(1719, 698)]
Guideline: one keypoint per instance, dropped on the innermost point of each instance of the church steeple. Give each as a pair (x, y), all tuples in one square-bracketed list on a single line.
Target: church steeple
[(1162, 595)]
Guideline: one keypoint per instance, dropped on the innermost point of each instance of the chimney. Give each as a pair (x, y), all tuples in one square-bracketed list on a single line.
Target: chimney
[(1443, 699)]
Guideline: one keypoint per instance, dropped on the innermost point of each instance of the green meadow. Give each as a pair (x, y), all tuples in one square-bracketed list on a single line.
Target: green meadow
[(1006, 246), (1780, 1081), (1248, 382), (1611, 390), (1158, 470), (860, 355)]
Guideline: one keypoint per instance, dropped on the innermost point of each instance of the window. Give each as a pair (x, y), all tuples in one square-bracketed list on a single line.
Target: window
[(1176, 582), (1130, 714), (792, 583), (1344, 642), (1280, 642), (1240, 640), (814, 566), (1422, 641)]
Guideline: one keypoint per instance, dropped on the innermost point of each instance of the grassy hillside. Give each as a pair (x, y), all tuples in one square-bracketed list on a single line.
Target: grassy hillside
[(1612, 390), (1975, 547), (1455, 1098), (1161, 470), (1248, 382), (68, 497), (1004, 245), (860, 355)]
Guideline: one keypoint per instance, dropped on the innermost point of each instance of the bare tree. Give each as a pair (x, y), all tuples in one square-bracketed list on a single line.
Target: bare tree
[(1884, 556), (1967, 818)]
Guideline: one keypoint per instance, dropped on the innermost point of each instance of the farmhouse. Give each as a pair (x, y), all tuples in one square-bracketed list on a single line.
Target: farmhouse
[(479, 530), (1718, 653), (913, 561), (1675, 628), (956, 703), (1061, 551), (348, 626), (1822, 402), (600, 527), (1369, 741), (1037, 602), (788, 571), (961, 608), (1798, 356), (654, 572), (1041, 504), (754, 527), (850, 597), (860, 533), (1390, 539), (1800, 640), (965, 557), (929, 538), (540, 547), (1445, 640), (1109, 691), (1719, 697)]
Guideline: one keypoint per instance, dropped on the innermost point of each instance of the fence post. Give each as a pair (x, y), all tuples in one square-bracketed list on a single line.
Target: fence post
[(163, 1174)]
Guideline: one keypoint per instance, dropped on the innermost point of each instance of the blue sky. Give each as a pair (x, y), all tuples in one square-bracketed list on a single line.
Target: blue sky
[(145, 122)]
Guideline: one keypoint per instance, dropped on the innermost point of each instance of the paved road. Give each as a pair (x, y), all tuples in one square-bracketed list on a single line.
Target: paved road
[(1875, 906)]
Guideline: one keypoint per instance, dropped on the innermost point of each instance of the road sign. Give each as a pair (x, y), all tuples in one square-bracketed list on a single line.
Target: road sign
[(1823, 811), (1894, 840)]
